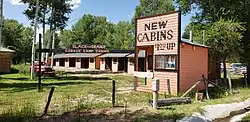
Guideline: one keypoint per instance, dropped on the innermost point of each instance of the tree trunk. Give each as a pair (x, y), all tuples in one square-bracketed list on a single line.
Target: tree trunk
[(225, 71), (218, 69), (50, 36), (25, 60), (44, 17), (248, 73)]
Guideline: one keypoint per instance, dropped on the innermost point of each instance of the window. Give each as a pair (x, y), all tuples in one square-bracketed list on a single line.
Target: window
[(92, 60), (165, 62)]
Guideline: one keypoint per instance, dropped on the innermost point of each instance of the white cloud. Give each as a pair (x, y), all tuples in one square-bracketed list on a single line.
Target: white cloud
[(16, 2), (75, 3)]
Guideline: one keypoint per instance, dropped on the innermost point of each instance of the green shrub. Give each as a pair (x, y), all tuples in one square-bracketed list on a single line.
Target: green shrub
[(21, 68)]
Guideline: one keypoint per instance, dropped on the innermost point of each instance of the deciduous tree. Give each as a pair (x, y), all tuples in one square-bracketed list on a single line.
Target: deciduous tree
[(18, 38), (212, 11)]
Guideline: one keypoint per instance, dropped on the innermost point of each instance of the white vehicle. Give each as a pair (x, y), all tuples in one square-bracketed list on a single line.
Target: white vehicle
[(238, 67)]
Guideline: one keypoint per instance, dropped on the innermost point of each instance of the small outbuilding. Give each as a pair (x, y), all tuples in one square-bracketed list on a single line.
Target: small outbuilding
[(177, 63), (115, 62), (78, 60), (5, 60), (141, 60)]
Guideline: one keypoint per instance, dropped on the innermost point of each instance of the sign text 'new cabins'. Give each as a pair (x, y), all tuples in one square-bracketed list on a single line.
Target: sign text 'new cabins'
[(159, 31)]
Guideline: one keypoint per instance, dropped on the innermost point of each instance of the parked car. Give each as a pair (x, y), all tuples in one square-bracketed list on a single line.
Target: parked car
[(45, 69), (238, 68)]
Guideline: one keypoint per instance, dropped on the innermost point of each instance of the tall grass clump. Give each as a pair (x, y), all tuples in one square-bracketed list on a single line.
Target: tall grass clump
[(18, 114)]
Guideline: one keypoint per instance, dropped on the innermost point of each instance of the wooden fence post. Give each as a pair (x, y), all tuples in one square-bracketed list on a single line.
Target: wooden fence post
[(113, 93), (206, 86), (48, 102), (155, 88), (191, 88), (245, 79), (169, 89), (230, 83), (135, 83)]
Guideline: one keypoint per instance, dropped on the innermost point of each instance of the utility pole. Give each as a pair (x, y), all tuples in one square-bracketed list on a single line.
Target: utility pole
[(1, 22), (34, 41)]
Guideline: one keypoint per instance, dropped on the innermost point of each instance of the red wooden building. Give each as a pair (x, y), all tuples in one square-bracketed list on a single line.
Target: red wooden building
[(167, 56)]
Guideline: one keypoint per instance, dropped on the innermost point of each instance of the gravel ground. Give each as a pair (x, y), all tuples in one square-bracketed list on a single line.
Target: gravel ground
[(213, 112)]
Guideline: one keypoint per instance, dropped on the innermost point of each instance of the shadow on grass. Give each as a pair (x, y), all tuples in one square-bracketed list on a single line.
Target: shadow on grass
[(20, 79), (238, 83), (89, 78), (12, 71), (93, 72), (18, 87)]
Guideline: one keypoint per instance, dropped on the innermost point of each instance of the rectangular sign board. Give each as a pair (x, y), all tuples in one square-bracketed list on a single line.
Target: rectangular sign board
[(156, 85), (143, 74), (160, 31)]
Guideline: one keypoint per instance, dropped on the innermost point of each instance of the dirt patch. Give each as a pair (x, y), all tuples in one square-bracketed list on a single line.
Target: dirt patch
[(101, 115)]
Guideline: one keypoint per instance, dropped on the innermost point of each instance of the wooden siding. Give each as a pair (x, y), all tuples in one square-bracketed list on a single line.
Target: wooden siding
[(91, 64), (78, 64), (131, 66), (57, 63), (193, 63), (5, 62), (114, 65), (172, 24), (102, 64), (66, 62), (97, 62), (163, 76)]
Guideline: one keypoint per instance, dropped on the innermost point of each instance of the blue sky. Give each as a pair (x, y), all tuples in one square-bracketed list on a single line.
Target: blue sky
[(114, 10)]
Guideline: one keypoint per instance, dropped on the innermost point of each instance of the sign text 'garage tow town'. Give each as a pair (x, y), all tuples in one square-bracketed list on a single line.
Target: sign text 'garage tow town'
[(80, 48)]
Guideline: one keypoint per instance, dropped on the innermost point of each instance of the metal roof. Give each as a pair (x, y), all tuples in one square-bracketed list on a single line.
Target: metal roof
[(140, 55), (193, 43), (77, 55), (6, 50), (111, 55)]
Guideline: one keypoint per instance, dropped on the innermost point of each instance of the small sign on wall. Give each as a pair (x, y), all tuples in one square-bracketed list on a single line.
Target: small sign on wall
[(143, 74)]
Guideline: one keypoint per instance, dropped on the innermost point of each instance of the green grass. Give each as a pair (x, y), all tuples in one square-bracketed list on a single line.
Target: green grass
[(246, 119), (20, 99)]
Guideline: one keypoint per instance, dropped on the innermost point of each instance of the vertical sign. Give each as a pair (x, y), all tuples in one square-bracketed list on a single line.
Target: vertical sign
[(161, 31)]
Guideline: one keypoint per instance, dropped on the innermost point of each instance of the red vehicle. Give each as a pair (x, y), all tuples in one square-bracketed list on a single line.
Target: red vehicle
[(45, 69)]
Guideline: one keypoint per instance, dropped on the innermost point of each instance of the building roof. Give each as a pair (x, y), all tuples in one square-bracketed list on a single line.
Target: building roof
[(111, 55), (6, 50), (140, 55), (121, 51), (77, 55), (193, 43)]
